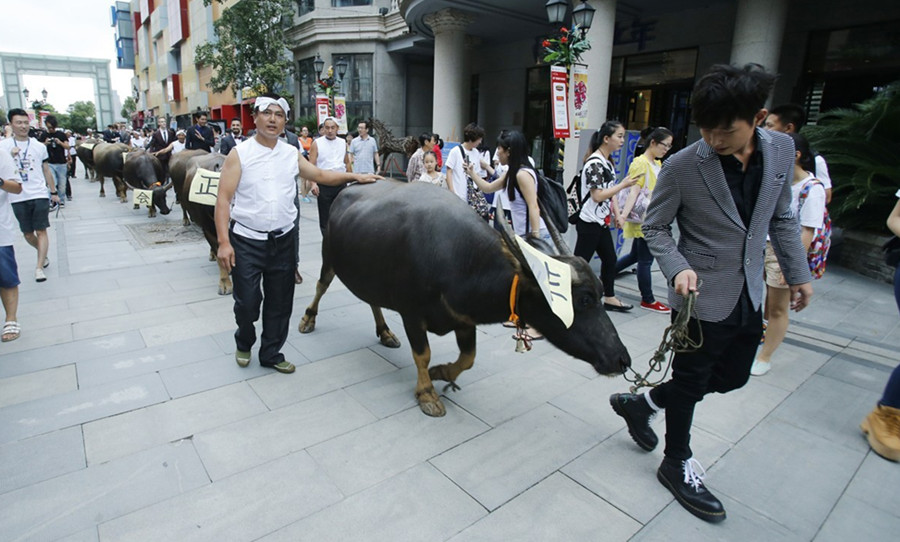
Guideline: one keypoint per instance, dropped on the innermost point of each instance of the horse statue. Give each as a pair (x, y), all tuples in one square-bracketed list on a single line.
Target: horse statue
[(388, 144)]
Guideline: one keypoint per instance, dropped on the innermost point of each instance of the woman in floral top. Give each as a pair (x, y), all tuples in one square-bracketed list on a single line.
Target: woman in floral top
[(598, 212)]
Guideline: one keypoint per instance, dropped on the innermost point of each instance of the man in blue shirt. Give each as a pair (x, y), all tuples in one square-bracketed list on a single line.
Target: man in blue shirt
[(364, 152)]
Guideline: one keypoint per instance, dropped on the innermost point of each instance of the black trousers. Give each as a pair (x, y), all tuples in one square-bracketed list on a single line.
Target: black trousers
[(722, 364), (271, 262), (324, 201), (593, 237)]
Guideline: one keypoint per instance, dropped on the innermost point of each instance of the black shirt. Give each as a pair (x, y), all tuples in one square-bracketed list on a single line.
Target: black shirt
[(744, 184), (55, 150), (744, 187)]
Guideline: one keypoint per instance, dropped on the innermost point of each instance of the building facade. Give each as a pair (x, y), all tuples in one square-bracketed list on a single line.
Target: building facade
[(438, 64)]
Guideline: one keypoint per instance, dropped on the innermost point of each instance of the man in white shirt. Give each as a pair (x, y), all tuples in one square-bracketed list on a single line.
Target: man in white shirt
[(9, 273), (459, 157), (328, 152), (255, 226), (31, 206), (790, 118)]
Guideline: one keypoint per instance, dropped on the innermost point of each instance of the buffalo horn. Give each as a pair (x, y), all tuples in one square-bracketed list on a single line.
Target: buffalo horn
[(558, 240)]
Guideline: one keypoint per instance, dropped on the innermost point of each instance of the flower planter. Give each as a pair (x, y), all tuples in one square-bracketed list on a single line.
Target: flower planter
[(860, 252)]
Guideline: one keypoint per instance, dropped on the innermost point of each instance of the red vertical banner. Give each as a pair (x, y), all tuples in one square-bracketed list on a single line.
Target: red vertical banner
[(322, 109), (559, 95)]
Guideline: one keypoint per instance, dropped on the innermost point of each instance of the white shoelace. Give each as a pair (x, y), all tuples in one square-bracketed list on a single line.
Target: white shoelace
[(694, 473)]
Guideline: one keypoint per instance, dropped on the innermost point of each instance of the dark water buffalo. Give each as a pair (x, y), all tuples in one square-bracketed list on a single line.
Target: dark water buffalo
[(84, 150), (178, 166), (422, 252), (203, 215), (108, 162), (144, 171)]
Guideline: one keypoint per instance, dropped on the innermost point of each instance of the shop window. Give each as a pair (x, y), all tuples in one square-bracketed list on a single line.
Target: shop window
[(357, 85), (350, 3)]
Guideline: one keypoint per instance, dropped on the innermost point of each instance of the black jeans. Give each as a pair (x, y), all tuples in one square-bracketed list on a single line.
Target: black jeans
[(722, 364), (593, 237), (324, 201), (271, 262)]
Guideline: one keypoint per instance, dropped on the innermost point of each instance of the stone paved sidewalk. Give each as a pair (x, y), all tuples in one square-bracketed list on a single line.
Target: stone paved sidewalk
[(124, 417)]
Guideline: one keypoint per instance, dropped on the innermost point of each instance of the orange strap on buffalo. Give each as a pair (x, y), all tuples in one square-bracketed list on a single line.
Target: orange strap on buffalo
[(513, 294)]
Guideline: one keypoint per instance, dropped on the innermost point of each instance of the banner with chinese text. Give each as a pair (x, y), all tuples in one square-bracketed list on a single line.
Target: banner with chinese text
[(560, 101), (579, 97), (321, 108)]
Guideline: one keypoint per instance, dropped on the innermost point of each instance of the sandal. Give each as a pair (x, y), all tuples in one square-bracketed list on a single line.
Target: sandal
[(13, 329)]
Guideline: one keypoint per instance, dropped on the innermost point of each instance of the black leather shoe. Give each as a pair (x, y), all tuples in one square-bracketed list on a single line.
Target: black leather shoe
[(617, 308), (637, 414), (685, 480)]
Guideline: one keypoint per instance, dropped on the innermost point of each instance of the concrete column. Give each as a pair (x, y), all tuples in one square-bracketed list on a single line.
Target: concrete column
[(758, 31), (450, 72), (599, 63)]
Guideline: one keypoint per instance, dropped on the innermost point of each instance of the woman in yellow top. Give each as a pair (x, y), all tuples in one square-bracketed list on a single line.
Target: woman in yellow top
[(657, 142)]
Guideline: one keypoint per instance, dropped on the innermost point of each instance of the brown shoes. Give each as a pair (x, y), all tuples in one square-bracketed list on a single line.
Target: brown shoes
[(882, 427)]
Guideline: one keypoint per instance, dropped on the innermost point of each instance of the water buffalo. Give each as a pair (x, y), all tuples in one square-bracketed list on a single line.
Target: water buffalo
[(203, 215), (144, 171), (84, 150), (178, 165), (422, 252), (108, 161)]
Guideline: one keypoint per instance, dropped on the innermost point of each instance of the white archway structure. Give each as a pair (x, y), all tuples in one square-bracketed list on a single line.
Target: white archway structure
[(17, 64)]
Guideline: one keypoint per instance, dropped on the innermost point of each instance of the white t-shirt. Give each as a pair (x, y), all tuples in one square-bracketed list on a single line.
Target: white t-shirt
[(812, 214), (177, 146), (30, 165), (10, 174), (822, 172), (458, 173), (597, 173)]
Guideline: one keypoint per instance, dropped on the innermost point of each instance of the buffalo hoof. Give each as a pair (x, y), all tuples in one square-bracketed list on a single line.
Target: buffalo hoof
[(136, 206), (102, 195), (185, 222), (438, 372), (387, 338), (164, 213), (225, 289), (431, 404), (307, 324), (212, 256)]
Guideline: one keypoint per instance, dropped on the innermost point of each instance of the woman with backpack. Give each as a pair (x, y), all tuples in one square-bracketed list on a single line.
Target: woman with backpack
[(598, 178), (645, 167), (808, 202), (512, 152)]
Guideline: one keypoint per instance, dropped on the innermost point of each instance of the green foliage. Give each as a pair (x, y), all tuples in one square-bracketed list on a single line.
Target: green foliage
[(76, 117), (250, 46), (128, 108), (566, 48), (863, 154)]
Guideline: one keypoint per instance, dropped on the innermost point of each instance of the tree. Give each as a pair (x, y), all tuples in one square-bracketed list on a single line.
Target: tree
[(77, 115), (128, 108), (863, 154), (250, 47)]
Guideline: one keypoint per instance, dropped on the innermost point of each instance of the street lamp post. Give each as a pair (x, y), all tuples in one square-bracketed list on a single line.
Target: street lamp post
[(582, 18)]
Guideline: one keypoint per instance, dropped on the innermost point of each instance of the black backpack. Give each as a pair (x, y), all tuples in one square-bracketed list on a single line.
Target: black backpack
[(552, 201), (574, 201)]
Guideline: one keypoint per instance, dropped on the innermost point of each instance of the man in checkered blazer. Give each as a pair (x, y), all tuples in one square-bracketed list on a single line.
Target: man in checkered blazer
[(726, 191)]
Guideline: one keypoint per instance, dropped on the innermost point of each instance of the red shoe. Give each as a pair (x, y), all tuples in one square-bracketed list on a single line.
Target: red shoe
[(656, 306)]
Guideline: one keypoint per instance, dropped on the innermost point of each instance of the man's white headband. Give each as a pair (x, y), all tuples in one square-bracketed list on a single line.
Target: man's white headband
[(263, 103)]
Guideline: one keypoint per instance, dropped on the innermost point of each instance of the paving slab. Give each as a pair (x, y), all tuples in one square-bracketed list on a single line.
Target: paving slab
[(419, 504), (245, 506), (860, 372), (80, 500), (787, 474), (278, 390), (118, 436), (498, 465), (101, 370), (34, 359), (29, 461), (208, 374), (370, 454), (557, 508), (623, 474), (743, 523), (853, 519), (65, 410), (241, 445), (31, 386)]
